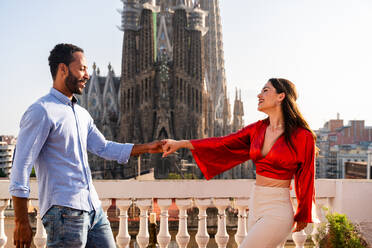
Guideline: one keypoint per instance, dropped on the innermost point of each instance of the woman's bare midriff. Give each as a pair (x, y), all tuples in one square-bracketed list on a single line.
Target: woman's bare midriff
[(271, 182)]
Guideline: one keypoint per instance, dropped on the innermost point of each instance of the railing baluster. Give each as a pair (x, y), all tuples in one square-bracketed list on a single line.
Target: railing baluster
[(222, 238), (143, 233), (123, 237), (40, 238), (247, 219), (183, 236), (299, 238), (164, 237), (3, 237), (242, 205), (320, 203), (202, 236), (106, 203)]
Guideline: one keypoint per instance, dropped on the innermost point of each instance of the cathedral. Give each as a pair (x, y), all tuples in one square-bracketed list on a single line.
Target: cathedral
[(172, 85)]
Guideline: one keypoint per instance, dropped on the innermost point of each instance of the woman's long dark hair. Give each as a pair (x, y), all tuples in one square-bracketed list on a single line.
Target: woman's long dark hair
[(291, 113)]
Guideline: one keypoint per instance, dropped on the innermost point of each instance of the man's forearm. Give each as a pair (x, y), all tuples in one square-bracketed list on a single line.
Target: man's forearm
[(152, 147), (139, 149), (20, 209)]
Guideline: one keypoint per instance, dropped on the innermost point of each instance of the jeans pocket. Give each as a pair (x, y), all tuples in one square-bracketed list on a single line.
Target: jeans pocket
[(73, 217), (75, 226)]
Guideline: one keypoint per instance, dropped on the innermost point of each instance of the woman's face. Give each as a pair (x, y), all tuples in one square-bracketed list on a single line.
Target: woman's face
[(269, 99)]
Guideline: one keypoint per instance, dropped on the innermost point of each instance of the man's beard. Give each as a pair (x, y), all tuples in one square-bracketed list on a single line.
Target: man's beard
[(72, 83)]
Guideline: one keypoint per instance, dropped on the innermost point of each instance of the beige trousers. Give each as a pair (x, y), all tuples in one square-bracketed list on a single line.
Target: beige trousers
[(270, 218)]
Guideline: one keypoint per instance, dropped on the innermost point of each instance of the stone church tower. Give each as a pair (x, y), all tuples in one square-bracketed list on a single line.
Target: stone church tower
[(163, 93), (172, 85)]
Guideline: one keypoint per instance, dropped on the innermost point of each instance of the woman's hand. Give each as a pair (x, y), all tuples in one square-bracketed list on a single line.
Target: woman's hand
[(299, 226), (170, 146)]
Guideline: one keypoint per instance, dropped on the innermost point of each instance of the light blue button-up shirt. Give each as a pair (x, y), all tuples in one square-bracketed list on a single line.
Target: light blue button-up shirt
[(55, 134)]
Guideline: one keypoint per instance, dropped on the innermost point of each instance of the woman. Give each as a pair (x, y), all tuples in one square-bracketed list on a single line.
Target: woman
[(282, 146)]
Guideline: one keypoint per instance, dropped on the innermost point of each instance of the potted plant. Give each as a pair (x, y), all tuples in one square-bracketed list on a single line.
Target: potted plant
[(339, 232)]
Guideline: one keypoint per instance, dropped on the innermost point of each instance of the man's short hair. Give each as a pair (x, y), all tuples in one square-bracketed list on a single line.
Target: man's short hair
[(61, 53)]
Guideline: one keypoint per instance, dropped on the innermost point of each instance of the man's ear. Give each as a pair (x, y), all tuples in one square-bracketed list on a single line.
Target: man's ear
[(63, 70)]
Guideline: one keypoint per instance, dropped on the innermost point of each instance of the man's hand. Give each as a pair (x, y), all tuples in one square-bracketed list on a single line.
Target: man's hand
[(155, 146), (152, 147), (22, 232), (299, 226)]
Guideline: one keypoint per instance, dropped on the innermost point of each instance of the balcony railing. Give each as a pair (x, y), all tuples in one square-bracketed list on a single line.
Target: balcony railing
[(352, 197)]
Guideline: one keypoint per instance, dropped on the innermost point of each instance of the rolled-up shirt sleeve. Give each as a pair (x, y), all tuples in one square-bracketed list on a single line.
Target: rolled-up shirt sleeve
[(34, 130), (109, 150)]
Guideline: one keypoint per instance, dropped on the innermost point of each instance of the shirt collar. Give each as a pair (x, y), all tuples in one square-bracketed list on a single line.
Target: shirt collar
[(62, 98)]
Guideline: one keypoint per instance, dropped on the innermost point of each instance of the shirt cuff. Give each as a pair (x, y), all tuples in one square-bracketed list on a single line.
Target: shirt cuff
[(125, 153), (17, 192)]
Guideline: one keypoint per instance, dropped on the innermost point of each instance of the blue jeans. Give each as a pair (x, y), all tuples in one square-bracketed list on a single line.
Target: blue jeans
[(68, 227)]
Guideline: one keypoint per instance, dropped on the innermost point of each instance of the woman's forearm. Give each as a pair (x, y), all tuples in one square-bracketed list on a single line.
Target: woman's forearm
[(186, 144)]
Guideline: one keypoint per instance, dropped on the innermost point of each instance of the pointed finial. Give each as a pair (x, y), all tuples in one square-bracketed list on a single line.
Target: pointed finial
[(94, 66), (240, 94), (236, 93), (98, 71), (109, 66)]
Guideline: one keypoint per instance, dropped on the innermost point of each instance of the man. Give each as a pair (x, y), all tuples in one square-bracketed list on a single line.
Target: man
[(55, 134)]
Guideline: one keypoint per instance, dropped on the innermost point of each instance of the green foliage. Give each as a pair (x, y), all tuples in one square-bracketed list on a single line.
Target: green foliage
[(339, 232), (174, 176)]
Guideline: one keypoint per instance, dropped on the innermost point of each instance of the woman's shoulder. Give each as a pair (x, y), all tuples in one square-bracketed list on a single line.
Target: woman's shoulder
[(302, 133)]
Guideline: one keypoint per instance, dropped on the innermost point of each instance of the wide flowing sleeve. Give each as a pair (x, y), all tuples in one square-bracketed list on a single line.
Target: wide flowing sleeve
[(304, 179), (218, 154)]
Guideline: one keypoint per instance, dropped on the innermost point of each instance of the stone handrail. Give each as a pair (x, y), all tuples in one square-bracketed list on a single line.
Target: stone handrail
[(339, 195)]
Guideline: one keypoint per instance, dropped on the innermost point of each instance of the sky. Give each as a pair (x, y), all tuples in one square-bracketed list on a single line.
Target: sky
[(323, 46)]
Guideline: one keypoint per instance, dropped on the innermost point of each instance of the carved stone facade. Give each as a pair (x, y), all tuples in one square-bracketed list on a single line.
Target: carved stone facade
[(172, 85)]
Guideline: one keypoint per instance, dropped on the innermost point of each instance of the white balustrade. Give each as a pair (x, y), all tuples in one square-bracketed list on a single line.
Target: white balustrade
[(123, 237), (164, 236), (143, 233), (40, 238), (3, 237), (242, 205), (222, 238), (202, 236), (334, 194), (183, 236)]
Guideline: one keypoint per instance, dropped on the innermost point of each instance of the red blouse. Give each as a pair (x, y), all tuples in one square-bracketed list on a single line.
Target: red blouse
[(218, 154)]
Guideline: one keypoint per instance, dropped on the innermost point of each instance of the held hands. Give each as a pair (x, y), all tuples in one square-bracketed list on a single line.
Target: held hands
[(170, 146), (155, 147), (167, 146)]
